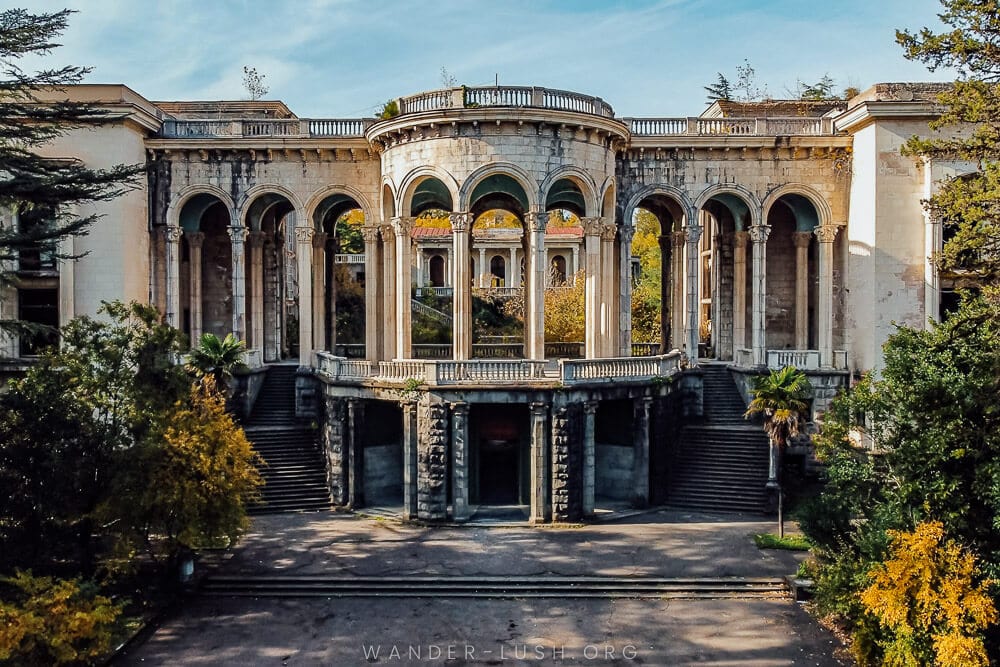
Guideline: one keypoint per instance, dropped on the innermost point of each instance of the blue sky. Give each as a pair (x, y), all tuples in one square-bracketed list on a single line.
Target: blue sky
[(343, 58)]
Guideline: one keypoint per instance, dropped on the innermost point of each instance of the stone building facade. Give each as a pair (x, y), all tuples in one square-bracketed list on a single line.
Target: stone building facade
[(795, 229)]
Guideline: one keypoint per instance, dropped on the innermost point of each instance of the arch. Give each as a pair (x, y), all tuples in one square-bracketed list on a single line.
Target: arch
[(733, 196), (608, 198), (408, 187), (498, 269), (520, 176), (269, 188), (437, 266), (317, 199), (260, 193), (818, 201), (650, 191), (557, 270), (186, 194), (581, 179), (388, 201)]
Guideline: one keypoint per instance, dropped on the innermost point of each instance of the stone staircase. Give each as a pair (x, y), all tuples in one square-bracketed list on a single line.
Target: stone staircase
[(721, 464), (295, 473)]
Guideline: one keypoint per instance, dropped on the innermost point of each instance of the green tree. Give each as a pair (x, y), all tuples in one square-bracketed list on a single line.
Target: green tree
[(45, 193), (253, 83), (720, 90), (217, 357), (969, 206), (780, 396), (821, 90)]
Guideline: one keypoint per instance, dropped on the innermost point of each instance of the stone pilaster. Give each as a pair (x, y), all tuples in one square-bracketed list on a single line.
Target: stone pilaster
[(609, 322), (402, 226), (567, 494), (666, 286), (355, 454), (693, 236), (432, 461), (256, 244), (410, 446), (173, 236), (677, 307), (461, 332), (540, 506), (826, 235), (335, 448), (739, 291), (640, 461), (372, 320), (759, 234), (589, 457), (534, 311), (303, 243), (801, 240), (388, 319), (592, 288), (195, 241), (460, 461), (623, 268), (319, 289), (483, 281), (237, 235)]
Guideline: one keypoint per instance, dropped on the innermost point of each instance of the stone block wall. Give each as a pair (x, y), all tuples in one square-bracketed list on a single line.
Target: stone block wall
[(432, 461), (567, 460)]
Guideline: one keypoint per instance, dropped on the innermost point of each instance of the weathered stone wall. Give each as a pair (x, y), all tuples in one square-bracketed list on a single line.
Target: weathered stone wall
[(567, 460), (432, 461), (383, 476), (335, 449), (613, 475)]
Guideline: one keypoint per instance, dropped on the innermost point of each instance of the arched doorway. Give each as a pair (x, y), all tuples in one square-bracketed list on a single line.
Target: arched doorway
[(339, 311), (272, 285), (790, 320), (206, 268)]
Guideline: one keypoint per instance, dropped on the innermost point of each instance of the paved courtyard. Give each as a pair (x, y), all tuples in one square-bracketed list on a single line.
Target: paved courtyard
[(418, 631)]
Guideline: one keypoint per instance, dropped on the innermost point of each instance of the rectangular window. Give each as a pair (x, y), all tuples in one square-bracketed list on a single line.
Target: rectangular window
[(38, 306)]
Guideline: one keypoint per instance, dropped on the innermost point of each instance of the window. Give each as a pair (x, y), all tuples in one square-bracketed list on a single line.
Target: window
[(38, 306)]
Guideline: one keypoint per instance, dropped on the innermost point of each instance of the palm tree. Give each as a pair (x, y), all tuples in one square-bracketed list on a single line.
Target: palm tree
[(781, 397), (217, 357)]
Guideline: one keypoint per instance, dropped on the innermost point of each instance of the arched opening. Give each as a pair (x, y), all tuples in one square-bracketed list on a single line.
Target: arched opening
[(658, 274), (498, 271), (273, 281), (339, 314), (497, 294), (206, 268), (723, 277), (436, 265), (790, 320), (565, 294), (431, 316), (557, 271)]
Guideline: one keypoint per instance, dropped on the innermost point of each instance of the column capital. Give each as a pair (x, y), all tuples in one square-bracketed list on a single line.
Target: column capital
[(591, 226), (460, 222), (802, 239), (319, 239), (256, 239), (590, 407), (237, 233), (626, 232), (539, 408), (195, 239), (370, 233), (826, 233), (459, 407), (759, 233), (740, 238), (388, 233), (304, 235), (402, 225), (172, 234), (608, 231), (677, 238), (692, 234), (535, 221)]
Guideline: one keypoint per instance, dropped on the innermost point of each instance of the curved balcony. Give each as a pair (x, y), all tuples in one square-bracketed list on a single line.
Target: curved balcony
[(503, 96)]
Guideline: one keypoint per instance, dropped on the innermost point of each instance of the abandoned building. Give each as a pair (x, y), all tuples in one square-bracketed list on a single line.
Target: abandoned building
[(788, 233)]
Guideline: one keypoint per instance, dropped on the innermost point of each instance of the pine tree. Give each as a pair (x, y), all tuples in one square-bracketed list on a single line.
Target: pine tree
[(38, 194), (720, 90)]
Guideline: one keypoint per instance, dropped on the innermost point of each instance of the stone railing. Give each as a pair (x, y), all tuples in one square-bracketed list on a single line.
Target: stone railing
[(399, 370), (743, 357), (840, 360), (253, 359), (498, 350), (804, 360), (251, 127), (504, 96), (434, 291), (498, 292), (564, 350), (587, 371), (349, 259), (340, 368), (431, 351), (645, 349), (351, 350), (734, 127), (484, 371)]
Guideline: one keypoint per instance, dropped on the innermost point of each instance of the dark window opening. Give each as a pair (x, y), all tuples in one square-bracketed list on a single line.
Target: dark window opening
[(39, 306)]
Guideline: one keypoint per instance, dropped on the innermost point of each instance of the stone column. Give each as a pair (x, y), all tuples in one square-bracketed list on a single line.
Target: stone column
[(540, 507), (388, 320), (534, 311), (355, 454), (319, 296), (432, 461), (589, 457), (739, 291), (677, 307), (666, 287), (404, 278), (640, 461), (567, 496), (335, 446), (195, 241), (238, 236), (515, 269), (759, 234), (373, 323), (592, 288), (608, 285), (483, 269), (801, 240), (576, 265), (173, 276), (460, 461), (409, 460), (623, 333), (826, 235), (303, 238), (693, 258), (419, 257), (157, 266), (461, 300), (256, 243)]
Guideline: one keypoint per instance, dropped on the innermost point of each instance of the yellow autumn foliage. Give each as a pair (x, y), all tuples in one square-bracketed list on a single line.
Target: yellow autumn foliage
[(53, 621), (926, 596)]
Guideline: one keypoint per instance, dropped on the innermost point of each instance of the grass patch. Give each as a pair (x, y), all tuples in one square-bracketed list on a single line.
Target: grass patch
[(788, 542)]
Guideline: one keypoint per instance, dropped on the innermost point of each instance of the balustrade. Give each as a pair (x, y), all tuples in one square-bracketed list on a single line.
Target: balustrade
[(618, 368), (804, 360), (496, 370), (645, 349), (349, 259)]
